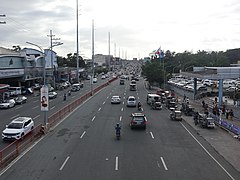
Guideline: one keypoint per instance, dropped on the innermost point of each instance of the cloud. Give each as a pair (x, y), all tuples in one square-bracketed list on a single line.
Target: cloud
[(135, 28)]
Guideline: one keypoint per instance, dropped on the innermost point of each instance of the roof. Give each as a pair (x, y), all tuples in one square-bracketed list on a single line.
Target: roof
[(5, 51), (21, 119), (138, 114)]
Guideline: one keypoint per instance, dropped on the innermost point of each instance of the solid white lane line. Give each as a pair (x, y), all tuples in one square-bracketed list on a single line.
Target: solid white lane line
[(52, 108), (36, 116), (120, 119), (18, 107), (99, 109), (64, 163), (207, 152), (164, 164), (83, 134), (116, 164), (35, 107), (122, 109), (93, 118), (152, 135), (15, 116), (104, 102)]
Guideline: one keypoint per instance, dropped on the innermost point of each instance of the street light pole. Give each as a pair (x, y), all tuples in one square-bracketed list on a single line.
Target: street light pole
[(2, 22), (77, 47), (44, 80), (92, 57)]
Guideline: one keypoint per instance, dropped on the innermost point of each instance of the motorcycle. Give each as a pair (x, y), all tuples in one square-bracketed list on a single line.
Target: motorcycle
[(118, 131), (64, 97), (118, 134), (139, 108)]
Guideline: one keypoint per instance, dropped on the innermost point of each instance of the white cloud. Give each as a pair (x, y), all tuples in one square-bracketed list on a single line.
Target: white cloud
[(136, 27)]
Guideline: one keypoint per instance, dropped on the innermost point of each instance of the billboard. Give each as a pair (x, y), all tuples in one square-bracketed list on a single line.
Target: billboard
[(44, 98)]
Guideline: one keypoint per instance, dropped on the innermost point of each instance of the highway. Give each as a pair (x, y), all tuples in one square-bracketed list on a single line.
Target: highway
[(84, 146)]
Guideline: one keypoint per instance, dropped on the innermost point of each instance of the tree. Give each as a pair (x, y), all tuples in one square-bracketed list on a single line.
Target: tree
[(153, 71)]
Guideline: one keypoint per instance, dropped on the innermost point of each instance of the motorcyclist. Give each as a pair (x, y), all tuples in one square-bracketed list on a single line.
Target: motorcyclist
[(69, 93), (64, 96), (118, 129), (139, 105)]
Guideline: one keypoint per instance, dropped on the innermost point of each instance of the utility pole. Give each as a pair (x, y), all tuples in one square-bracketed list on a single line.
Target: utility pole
[(51, 48), (2, 22), (77, 47), (92, 57), (109, 58)]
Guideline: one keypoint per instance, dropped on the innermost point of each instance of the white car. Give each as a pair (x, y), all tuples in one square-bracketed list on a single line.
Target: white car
[(103, 77), (94, 80), (131, 101), (7, 104), (116, 100), (18, 128), (52, 95)]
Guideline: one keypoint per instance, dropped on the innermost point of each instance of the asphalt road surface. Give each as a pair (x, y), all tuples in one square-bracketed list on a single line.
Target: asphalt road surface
[(32, 107), (84, 146)]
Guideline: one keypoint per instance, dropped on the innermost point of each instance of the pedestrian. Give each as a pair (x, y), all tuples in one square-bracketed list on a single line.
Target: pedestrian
[(231, 114), (203, 103), (216, 100), (227, 113), (184, 98), (223, 109)]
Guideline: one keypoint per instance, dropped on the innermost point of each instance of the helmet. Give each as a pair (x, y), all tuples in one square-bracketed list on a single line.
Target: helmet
[(117, 124)]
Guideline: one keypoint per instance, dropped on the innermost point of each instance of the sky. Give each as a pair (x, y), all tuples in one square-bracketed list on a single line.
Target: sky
[(136, 28)]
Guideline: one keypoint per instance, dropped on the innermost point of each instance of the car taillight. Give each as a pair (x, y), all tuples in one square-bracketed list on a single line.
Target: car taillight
[(133, 122), (144, 122)]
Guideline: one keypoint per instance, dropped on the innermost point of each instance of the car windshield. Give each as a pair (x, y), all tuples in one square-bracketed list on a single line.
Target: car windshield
[(131, 99), (15, 126)]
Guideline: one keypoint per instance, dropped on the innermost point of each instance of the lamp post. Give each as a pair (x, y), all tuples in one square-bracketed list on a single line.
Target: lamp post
[(44, 89), (2, 22), (92, 57)]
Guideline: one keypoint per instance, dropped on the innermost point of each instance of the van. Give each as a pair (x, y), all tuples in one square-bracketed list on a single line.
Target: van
[(14, 91), (152, 98)]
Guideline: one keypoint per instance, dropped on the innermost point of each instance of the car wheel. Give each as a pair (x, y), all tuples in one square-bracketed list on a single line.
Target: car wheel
[(22, 136)]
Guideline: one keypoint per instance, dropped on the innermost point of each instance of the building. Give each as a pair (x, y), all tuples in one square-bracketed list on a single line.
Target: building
[(24, 68)]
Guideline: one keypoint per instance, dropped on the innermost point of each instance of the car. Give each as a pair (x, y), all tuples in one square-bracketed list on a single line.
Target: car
[(116, 100), (52, 95), (88, 77), (76, 87), (232, 89), (138, 120), (121, 82), (94, 80), (18, 128), (176, 115), (103, 77), (20, 99), (131, 101), (7, 104)]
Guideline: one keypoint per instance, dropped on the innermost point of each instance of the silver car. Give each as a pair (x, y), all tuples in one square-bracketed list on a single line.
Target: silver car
[(131, 101)]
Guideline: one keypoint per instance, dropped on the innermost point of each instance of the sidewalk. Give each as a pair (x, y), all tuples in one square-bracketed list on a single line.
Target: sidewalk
[(222, 141)]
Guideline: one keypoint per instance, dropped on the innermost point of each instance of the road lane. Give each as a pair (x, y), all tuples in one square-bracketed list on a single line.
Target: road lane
[(172, 154)]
